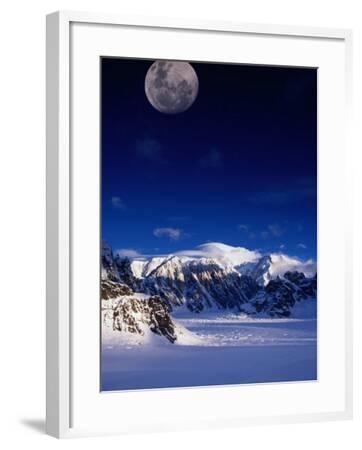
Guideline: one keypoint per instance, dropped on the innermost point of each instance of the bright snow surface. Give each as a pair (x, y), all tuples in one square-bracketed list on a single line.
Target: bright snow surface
[(212, 350)]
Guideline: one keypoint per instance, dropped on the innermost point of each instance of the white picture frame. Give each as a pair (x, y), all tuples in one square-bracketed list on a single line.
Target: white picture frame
[(65, 404)]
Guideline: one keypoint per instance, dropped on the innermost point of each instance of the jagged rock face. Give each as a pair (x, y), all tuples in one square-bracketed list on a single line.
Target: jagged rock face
[(132, 315), (117, 269), (160, 319), (281, 295), (269, 267), (200, 284), (123, 267), (111, 289), (307, 286), (126, 311), (260, 272), (109, 270)]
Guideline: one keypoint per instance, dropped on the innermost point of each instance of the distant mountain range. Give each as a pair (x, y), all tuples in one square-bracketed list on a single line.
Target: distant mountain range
[(215, 277)]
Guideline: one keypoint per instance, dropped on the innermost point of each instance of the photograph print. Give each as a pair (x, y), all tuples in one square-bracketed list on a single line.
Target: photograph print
[(208, 224)]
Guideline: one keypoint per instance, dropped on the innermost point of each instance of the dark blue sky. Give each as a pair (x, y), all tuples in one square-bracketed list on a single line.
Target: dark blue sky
[(238, 167)]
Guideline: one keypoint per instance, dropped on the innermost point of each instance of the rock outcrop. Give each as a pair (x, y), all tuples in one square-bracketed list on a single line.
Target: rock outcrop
[(281, 295)]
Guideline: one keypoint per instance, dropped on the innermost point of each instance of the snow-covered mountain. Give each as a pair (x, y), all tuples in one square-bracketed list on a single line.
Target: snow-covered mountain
[(135, 314), (116, 268), (293, 295), (269, 267), (224, 255), (262, 268), (214, 277), (199, 284)]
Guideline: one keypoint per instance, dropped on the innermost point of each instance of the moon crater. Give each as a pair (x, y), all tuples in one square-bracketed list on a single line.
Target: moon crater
[(171, 86)]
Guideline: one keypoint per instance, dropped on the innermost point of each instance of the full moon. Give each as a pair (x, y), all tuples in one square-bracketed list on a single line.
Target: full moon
[(171, 86)]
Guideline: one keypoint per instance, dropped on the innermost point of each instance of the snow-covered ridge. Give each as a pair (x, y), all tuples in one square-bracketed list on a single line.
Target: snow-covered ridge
[(218, 276), (283, 263), (140, 297), (138, 318), (262, 268)]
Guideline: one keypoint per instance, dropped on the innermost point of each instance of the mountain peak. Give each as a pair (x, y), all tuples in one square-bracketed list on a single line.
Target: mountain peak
[(226, 254), (217, 276), (280, 264)]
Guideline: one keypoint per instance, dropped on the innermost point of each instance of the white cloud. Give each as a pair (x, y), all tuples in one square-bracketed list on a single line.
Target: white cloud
[(226, 253), (302, 246), (283, 263), (272, 231), (243, 227), (172, 233), (118, 203), (127, 252), (275, 230)]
